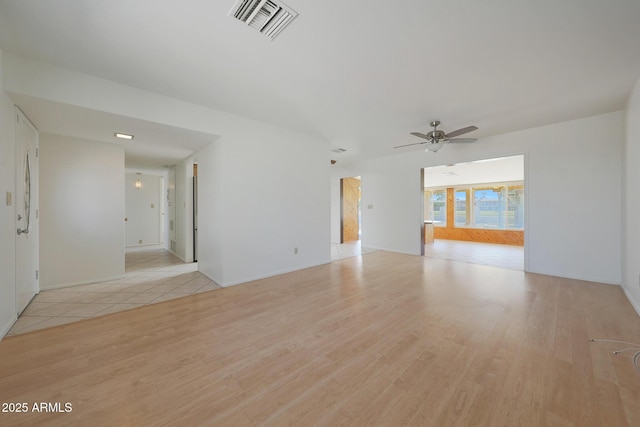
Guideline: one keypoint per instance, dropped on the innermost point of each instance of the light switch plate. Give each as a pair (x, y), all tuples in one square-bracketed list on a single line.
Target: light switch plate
[(9, 198)]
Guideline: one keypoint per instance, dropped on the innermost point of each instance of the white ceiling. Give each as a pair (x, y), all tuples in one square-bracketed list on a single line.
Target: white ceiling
[(360, 73), (504, 169), (154, 145)]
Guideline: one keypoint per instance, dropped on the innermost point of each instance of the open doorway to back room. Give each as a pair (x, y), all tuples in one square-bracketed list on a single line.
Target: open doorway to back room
[(474, 212), (144, 209), (347, 240)]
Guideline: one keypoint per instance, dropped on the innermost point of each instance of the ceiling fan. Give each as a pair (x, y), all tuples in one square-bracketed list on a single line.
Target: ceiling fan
[(436, 138)]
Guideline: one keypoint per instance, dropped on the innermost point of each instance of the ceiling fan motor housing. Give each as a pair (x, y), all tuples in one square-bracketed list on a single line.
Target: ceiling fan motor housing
[(436, 138), (436, 135)]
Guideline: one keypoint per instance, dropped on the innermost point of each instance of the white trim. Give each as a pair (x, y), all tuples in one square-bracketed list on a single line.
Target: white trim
[(263, 276), (392, 250), (598, 280), (7, 326), (215, 280), (635, 304), (176, 254)]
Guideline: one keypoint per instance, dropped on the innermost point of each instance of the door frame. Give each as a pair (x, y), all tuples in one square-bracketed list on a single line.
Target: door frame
[(31, 252)]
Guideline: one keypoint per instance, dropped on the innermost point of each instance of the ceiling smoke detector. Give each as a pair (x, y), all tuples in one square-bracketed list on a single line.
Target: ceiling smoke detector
[(267, 16)]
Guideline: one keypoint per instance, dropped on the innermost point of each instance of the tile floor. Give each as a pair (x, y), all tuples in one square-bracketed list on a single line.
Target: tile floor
[(503, 256), (152, 275), (349, 249)]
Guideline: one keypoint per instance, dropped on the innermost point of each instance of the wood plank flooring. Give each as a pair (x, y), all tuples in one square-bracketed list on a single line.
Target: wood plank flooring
[(382, 339)]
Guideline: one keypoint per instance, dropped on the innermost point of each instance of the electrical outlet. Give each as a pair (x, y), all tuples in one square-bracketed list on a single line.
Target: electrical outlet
[(295, 251), (140, 242)]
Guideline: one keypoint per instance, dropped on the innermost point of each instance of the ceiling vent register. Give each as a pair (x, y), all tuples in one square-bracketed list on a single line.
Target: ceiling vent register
[(268, 17)]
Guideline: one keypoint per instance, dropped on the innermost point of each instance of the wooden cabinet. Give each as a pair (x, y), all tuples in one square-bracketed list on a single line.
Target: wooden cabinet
[(428, 232)]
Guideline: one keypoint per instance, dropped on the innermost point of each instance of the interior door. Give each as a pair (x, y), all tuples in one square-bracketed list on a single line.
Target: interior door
[(26, 211), (349, 207), (195, 217)]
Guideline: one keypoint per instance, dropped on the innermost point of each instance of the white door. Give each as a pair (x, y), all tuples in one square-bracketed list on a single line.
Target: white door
[(26, 211)]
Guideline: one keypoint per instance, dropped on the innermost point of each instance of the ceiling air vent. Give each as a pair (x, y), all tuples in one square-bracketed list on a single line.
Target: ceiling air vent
[(268, 17)]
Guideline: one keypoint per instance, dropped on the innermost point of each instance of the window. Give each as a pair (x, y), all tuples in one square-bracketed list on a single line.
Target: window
[(439, 201), (515, 201), (435, 207), (496, 206), (500, 207), (489, 207), (462, 208)]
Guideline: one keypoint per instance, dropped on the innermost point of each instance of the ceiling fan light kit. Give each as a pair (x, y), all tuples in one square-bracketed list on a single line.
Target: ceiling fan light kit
[(436, 139), (434, 146)]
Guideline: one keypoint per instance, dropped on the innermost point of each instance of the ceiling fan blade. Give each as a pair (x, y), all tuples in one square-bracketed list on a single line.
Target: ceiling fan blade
[(463, 140), (420, 135), (415, 143), (461, 131)]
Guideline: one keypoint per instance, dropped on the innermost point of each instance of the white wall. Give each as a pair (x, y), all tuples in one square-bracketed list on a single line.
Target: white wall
[(269, 193), (7, 212), (210, 212), (573, 195), (273, 189), (631, 197), (392, 214), (143, 209), (81, 211), (184, 210)]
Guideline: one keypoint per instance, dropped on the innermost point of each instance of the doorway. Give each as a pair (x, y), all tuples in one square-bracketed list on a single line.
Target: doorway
[(27, 275), (350, 213), (144, 209), (195, 212), (475, 212)]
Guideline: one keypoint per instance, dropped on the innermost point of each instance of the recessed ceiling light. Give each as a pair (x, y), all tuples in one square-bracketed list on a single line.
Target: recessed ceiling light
[(123, 136)]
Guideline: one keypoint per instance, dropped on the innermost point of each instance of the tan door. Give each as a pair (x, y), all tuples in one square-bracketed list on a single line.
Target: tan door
[(350, 200)]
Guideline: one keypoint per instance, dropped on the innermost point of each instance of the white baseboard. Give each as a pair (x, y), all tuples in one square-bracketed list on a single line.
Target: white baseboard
[(602, 280), (392, 250), (178, 256), (635, 304), (263, 276), (4, 330)]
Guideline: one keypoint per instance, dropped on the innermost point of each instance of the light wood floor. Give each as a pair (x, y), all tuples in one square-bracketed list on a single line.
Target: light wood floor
[(382, 339)]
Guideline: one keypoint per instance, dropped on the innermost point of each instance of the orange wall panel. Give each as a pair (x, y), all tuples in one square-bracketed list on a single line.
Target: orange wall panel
[(350, 198)]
